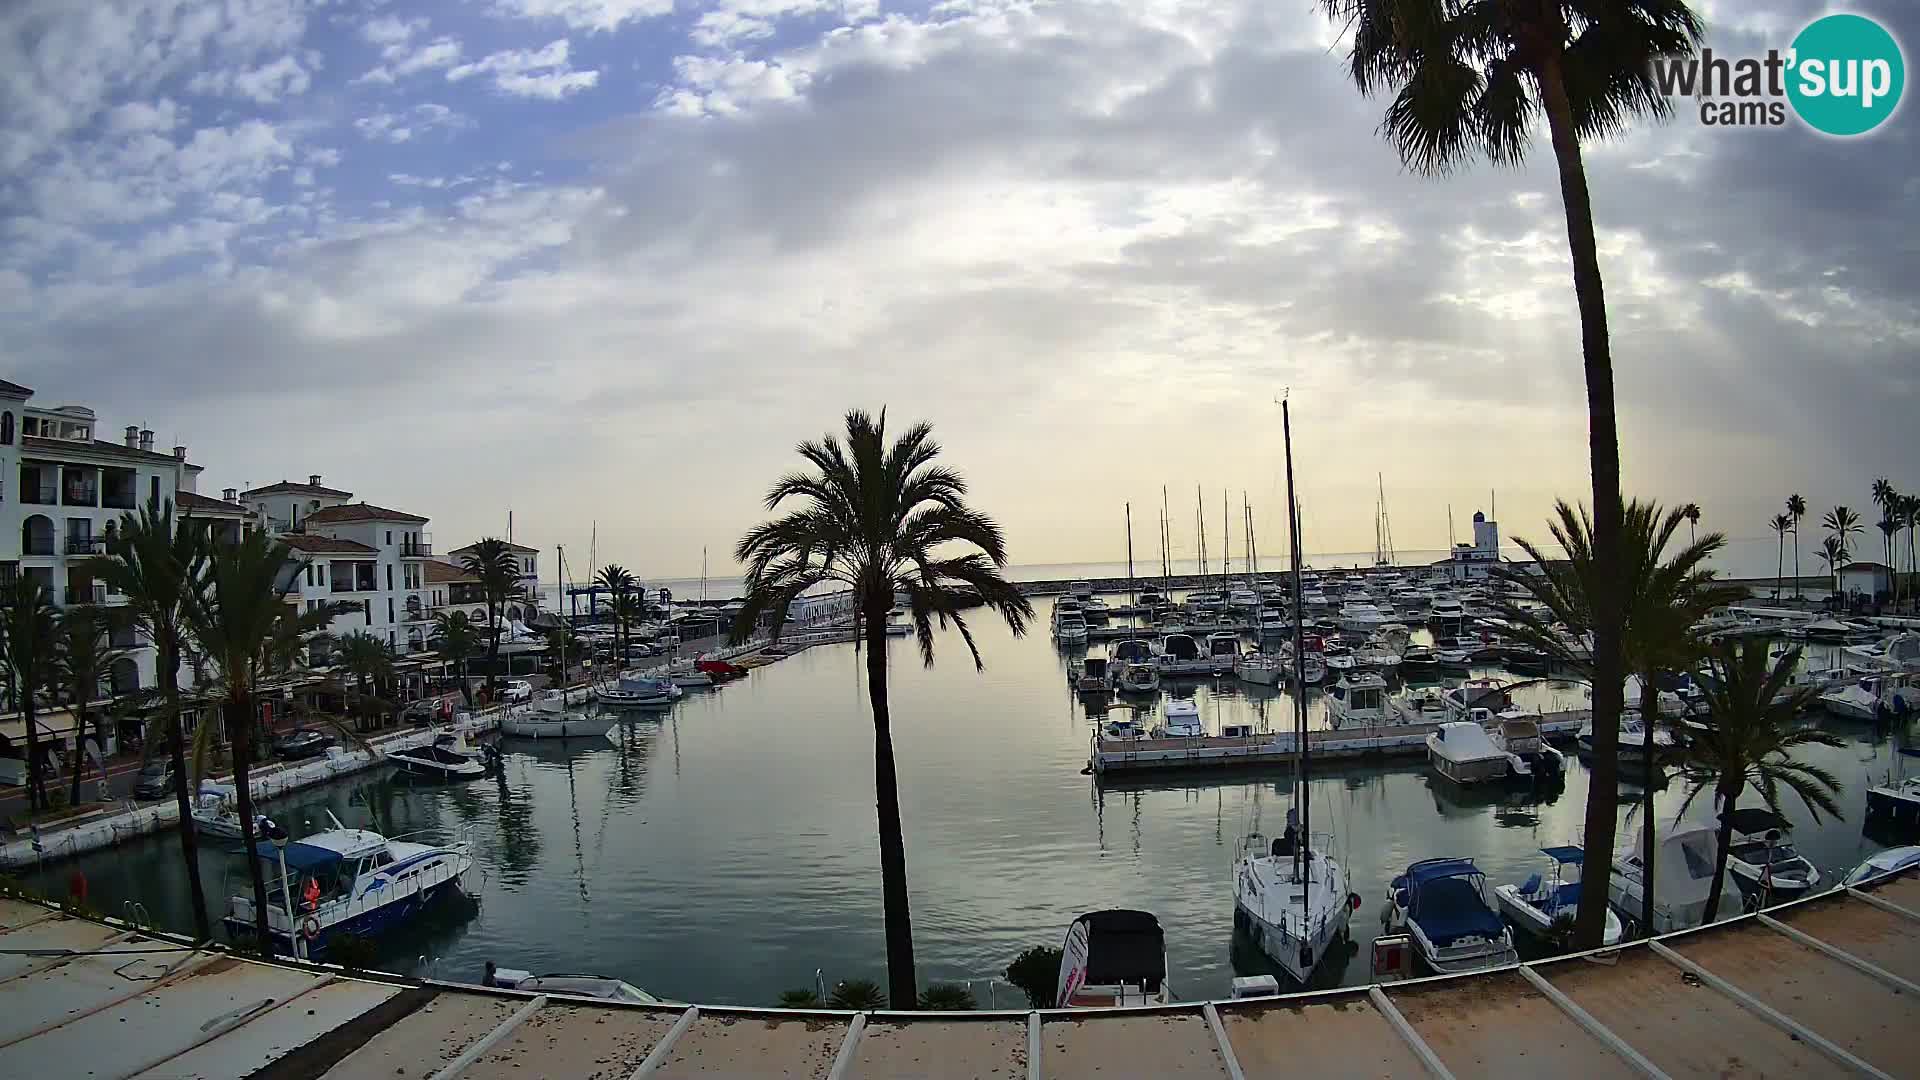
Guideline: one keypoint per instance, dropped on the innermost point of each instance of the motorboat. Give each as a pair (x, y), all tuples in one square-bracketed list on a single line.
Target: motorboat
[(1537, 904), (1476, 694), (1260, 669), (1442, 905), (302, 743), (1180, 655), (348, 881), (447, 757), (721, 671), (1866, 699), (1526, 660), (1243, 599), (1419, 662), (640, 692), (1096, 610), (1447, 610), (1223, 647), (1464, 753), (1357, 700), (1338, 658), (1632, 740), (1682, 879), (1314, 598), (216, 810), (555, 716), (1139, 677), (1292, 900), (1376, 656), (1361, 617), (1517, 735), (1313, 669), (1897, 652), (1113, 959), (1182, 720), (1206, 600), (1092, 676), (1122, 729), (1890, 861), (1670, 703), (687, 674), (1898, 799), (1422, 707), (1761, 858), (1272, 622), (1080, 590), (1452, 657), (597, 987), (1070, 629)]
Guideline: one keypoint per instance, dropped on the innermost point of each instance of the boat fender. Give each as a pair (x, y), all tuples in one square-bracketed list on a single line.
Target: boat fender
[(1353, 901), (310, 928)]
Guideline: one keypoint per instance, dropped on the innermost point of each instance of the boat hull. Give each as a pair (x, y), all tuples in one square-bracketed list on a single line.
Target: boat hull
[(372, 922), (571, 727), (1534, 922)]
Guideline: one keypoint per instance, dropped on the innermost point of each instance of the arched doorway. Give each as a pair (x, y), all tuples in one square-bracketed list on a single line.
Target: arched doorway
[(36, 535)]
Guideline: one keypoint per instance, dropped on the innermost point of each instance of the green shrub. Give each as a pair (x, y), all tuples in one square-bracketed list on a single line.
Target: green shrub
[(1036, 972)]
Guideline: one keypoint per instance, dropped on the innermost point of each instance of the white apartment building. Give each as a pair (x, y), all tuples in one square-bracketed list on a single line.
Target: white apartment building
[(62, 494), (528, 560), (369, 556)]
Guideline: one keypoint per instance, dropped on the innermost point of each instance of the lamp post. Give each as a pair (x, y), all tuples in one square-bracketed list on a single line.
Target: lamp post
[(278, 836)]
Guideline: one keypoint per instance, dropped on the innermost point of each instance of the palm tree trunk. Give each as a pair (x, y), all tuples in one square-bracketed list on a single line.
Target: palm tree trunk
[(79, 749), (1780, 566), (36, 788), (901, 990), (493, 654), (239, 710), (466, 688), (177, 755), (1796, 560), (1604, 452), (1649, 712), (1726, 800)]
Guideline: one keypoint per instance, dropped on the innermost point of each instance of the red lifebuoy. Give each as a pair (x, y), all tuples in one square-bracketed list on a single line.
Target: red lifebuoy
[(310, 928)]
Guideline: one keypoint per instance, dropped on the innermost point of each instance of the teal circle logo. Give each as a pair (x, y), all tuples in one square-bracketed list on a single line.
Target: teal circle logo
[(1847, 74)]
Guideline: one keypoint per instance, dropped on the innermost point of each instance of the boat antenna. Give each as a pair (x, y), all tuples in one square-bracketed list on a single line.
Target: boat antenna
[(1299, 673), (1166, 560), (1226, 543), (1130, 602), (560, 556)]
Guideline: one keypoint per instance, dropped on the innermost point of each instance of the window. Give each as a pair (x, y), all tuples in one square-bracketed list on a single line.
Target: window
[(323, 573), (366, 611), (153, 489), (6, 429), (391, 640), (389, 574), (309, 580), (389, 537), (389, 601)]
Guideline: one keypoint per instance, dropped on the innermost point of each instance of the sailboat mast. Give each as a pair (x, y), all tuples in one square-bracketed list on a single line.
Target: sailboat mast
[(560, 556), (1200, 532), (1299, 669), (1130, 600), (1226, 544), (1253, 550)]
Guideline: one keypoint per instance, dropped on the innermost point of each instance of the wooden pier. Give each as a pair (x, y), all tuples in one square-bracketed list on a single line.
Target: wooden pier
[(1110, 756)]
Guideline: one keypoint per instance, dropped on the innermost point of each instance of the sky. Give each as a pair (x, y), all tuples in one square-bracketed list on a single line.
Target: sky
[(603, 263)]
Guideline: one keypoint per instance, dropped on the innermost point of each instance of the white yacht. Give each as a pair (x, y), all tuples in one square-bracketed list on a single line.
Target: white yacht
[(1358, 700), (1447, 610), (447, 757), (1476, 694), (347, 881), (1681, 881), (1424, 706), (1898, 798), (1260, 669), (1313, 598), (1096, 610), (1243, 599), (1130, 667), (1223, 647), (1537, 903), (1376, 655), (1113, 959), (1516, 734), (1633, 740), (1292, 899), (1863, 700), (599, 987), (1442, 905), (1181, 655), (640, 692), (216, 810), (1272, 622), (1897, 652), (1890, 861), (556, 716), (1080, 590), (1464, 753), (687, 673), (1070, 630), (1361, 617), (1182, 720), (1769, 870)]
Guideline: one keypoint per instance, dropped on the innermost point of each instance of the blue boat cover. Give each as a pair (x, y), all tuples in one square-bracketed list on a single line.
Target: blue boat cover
[(1446, 902), (1567, 854), (304, 858)]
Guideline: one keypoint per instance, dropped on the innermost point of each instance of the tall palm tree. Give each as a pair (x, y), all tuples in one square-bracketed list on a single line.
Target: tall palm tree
[(496, 567), (1781, 524), (1748, 741), (158, 562), (456, 638), (617, 580), (1797, 509), (881, 519), (1662, 598), (1889, 500), (1889, 526), (239, 620), (84, 658), (368, 660), (28, 626), (1884, 494), (1692, 512), (1910, 513), (1843, 524), (628, 611), (1834, 553), (1471, 80)]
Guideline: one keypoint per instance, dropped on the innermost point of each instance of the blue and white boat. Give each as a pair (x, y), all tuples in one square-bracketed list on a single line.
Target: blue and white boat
[(640, 692), (348, 881), (1543, 899), (1442, 905)]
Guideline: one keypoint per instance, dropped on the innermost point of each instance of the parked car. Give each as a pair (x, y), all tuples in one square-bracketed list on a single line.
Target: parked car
[(517, 690), (155, 781), (304, 743)]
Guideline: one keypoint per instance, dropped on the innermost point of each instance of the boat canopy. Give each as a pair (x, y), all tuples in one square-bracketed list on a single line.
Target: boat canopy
[(1756, 819), (304, 858), (1444, 899), (1464, 740), (1125, 946), (1566, 854)]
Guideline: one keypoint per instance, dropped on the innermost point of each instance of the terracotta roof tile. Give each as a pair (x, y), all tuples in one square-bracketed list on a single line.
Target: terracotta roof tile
[(444, 573), (326, 545), (192, 502), (288, 487), (510, 547), (360, 511), (14, 388), (96, 446)]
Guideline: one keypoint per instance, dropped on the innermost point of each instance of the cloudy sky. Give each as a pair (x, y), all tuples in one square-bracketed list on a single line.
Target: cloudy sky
[(607, 260)]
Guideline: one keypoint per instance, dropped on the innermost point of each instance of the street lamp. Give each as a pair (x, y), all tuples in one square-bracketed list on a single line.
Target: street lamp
[(278, 836)]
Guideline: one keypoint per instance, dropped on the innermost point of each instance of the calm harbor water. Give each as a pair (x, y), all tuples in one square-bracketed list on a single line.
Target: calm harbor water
[(726, 851)]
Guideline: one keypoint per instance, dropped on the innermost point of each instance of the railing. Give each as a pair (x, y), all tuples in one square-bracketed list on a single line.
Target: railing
[(95, 593), (86, 545), (116, 500), (420, 549), (82, 496), (42, 496)]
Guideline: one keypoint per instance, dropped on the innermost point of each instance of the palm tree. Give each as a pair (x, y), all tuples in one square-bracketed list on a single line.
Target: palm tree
[(1471, 79), (1780, 524), (1834, 554), (1884, 494), (1692, 512), (456, 638), (1910, 513), (367, 659), (1889, 527), (1749, 737), (84, 657), (629, 610), (1889, 500), (1661, 597), (1844, 525), (1797, 509), (616, 580), (880, 519), (28, 625), (498, 570), (239, 621), (158, 563)]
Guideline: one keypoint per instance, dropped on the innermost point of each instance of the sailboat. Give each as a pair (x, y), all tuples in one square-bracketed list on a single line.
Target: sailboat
[(558, 714), (1291, 896)]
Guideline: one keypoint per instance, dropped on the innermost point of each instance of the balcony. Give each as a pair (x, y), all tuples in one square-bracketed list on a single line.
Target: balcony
[(86, 545), (86, 593), (417, 549), (39, 495), (79, 489), (418, 610), (118, 489)]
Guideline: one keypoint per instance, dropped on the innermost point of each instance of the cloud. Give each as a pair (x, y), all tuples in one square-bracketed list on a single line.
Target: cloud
[(263, 85), (137, 116), (591, 15), (400, 127), (532, 73), (399, 53)]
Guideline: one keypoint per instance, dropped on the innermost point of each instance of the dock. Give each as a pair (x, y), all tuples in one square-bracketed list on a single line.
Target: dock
[(1824, 986), (1221, 752)]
